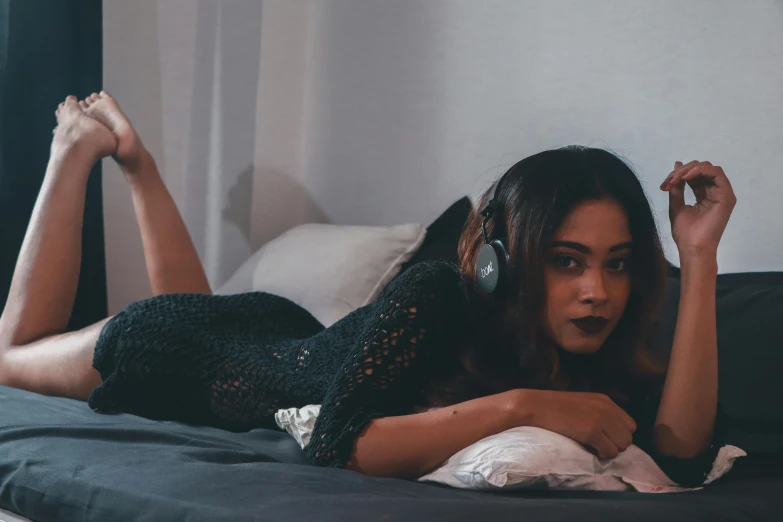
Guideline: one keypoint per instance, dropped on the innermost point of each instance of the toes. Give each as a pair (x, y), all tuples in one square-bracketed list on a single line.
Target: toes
[(103, 95), (94, 97), (71, 99), (83, 105)]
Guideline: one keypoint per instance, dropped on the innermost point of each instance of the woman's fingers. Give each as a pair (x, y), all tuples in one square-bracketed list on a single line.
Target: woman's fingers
[(678, 177), (619, 434), (723, 182), (710, 181), (709, 173), (676, 199), (627, 420), (604, 447), (620, 416), (673, 176), (677, 166), (705, 169)]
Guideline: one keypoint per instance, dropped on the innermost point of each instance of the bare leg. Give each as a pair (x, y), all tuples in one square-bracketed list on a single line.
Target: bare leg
[(35, 354), (44, 284), (58, 365), (172, 262)]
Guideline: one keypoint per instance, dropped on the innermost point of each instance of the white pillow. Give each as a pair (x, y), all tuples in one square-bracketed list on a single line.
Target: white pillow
[(528, 457), (329, 270)]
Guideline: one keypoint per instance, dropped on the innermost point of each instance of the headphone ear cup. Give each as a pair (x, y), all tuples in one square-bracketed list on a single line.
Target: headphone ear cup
[(487, 274), (503, 260), (491, 266)]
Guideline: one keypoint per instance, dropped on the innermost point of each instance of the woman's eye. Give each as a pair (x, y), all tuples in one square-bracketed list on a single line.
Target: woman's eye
[(619, 265), (565, 262)]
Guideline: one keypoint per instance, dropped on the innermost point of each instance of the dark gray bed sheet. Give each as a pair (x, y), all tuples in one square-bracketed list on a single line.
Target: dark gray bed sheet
[(59, 460)]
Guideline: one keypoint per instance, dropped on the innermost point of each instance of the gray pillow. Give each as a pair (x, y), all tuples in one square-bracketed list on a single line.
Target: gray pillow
[(750, 354)]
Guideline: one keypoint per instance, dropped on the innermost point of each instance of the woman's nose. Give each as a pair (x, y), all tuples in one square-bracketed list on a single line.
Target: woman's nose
[(593, 287)]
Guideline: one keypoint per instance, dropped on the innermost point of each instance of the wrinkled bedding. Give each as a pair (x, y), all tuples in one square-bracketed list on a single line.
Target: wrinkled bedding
[(59, 460)]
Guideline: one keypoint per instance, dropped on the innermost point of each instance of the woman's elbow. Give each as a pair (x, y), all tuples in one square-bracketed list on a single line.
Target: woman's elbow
[(680, 452), (377, 456), (670, 445), (381, 468)]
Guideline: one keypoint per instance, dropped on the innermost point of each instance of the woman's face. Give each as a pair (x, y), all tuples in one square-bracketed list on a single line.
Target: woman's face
[(586, 276)]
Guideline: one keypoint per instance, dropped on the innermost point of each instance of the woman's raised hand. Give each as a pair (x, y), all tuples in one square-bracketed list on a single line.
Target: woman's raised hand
[(697, 228)]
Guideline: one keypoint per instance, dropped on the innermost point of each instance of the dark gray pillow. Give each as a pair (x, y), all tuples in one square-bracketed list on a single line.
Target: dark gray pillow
[(750, 355), (443, 235)]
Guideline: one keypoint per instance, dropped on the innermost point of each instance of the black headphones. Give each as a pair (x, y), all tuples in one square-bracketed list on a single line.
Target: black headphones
[(492, 263)]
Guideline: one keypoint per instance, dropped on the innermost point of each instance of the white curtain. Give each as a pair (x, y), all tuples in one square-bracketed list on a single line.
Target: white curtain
[(214, 178)]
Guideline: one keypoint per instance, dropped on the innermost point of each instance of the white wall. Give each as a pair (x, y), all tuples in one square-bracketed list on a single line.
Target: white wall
[(413, 103), (267, 114), (280, 199)]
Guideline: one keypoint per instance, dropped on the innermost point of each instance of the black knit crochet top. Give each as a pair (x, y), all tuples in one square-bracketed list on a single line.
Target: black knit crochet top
[(232, 361)]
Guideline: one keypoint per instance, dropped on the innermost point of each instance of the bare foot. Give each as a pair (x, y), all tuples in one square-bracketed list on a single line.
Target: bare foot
[(106, 110), (76, 131)]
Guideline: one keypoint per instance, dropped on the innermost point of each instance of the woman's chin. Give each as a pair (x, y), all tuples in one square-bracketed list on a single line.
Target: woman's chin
[(582, 346)]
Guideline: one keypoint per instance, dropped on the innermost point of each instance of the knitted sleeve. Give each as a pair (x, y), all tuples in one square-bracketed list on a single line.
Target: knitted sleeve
[(685, 472), (413, 321)]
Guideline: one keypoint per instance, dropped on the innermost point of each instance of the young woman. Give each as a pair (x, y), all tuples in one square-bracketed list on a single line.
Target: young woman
[(434, 364)]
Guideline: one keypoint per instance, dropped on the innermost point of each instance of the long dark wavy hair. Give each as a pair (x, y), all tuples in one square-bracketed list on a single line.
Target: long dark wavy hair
[(503, 346)]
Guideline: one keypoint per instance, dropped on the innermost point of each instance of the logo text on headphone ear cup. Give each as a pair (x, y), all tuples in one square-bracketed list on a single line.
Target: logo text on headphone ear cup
[(487, 270)]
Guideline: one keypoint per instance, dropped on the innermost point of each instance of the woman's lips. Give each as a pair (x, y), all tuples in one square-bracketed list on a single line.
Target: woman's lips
[(592, 325)]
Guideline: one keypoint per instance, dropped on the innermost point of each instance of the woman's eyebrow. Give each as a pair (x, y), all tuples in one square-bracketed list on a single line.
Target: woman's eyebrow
[(579, 247), (621, 246)]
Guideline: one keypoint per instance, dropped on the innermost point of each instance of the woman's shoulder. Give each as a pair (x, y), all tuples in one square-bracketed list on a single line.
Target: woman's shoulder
[(436, 276)]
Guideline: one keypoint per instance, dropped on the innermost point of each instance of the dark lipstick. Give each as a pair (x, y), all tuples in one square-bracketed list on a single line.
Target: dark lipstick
[(591, 324)]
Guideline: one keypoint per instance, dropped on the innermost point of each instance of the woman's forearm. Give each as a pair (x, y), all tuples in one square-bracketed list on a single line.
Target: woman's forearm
[(172, 262), (686, 417), (410, 446)]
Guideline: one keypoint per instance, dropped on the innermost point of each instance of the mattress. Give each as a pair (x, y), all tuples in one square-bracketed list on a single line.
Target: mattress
[(59, 460)]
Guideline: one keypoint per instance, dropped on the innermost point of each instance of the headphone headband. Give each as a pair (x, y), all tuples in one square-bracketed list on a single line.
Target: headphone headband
[(491, 205), (492, 260)]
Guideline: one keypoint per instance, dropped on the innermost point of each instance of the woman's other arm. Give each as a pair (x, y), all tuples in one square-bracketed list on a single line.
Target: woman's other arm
[(686, 416)]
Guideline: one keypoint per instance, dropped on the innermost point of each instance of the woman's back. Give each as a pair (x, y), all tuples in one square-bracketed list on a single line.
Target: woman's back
[(233, 361)]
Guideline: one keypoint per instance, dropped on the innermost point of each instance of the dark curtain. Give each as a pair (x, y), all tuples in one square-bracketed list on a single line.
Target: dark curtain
[(48, 50)]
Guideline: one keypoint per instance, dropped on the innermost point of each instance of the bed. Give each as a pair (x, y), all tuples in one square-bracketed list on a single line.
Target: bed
[(62, 461), (59, 460)]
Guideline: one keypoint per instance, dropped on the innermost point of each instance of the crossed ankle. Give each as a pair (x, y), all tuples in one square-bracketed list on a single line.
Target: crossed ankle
[(75, 152), (137, 166), (77, 144)]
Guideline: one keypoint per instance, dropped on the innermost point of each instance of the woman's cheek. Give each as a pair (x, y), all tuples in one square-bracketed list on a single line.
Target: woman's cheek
[(558, 298), (622, 293)]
